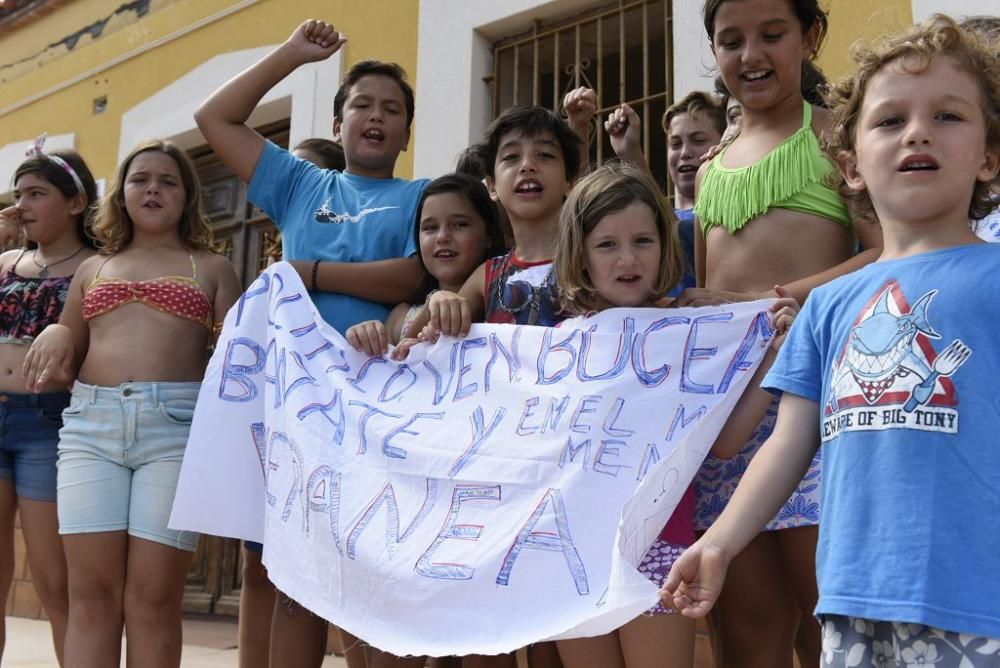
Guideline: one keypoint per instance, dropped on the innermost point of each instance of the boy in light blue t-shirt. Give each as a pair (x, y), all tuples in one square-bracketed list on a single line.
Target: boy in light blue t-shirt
[(893, 371), (348, 234)]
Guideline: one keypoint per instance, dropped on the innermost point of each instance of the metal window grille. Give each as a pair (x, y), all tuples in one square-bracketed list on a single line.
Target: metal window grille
[(622, 50)]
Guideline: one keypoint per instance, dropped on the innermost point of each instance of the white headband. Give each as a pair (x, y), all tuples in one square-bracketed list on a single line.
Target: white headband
[(38, 148)]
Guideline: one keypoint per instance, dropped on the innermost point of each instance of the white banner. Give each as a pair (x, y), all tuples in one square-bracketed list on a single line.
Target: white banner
[(489, 492)]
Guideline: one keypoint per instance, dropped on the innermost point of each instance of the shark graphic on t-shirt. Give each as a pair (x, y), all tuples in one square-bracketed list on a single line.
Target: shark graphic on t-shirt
[(889, 374)]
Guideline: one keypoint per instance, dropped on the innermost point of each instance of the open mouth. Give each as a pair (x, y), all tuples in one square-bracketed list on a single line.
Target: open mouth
[(445, 254), (919, 163), (756, 75), (373, 134), (629, 279), (152, 205), (687, 169), (528, 186)]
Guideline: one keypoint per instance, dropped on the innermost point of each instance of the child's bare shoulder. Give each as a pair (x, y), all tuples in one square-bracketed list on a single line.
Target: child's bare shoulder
[(474, 288), (702, 171), (478, 276), (210, 258), (87, 270), (92, 263), (8, 258), (214, 265)]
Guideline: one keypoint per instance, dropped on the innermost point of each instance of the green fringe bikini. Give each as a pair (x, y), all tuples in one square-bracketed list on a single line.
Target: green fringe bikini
[(792, 176)]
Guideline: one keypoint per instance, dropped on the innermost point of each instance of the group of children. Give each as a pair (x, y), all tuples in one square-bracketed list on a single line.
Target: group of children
[(860, 212)]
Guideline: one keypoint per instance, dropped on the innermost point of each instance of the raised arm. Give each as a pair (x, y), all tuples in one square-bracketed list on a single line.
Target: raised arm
[(392, 281), (222, 117), (580, 105), (10, 228), (624, 130)]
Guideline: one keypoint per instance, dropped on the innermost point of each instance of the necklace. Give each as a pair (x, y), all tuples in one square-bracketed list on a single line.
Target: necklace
[(43, 268)]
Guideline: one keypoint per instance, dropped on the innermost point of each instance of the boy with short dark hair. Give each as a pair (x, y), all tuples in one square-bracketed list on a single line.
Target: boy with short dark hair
[(347, 233), (532, 158), (693, 126), (366, 68)]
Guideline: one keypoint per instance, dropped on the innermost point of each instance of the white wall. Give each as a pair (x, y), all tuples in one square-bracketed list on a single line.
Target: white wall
[(454, 52), (694, 64), (306, 97), (13, 154), (956, 8)]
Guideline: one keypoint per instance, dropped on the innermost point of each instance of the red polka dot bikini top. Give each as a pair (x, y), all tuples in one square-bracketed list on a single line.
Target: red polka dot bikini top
[(177, 295)]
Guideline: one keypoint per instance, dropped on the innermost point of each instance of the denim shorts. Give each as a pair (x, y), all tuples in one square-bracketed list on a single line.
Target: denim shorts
[(120, 452), (29, 435)]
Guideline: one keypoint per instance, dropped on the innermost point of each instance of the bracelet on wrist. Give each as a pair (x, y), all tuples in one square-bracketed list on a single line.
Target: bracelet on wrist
[(315, 272)]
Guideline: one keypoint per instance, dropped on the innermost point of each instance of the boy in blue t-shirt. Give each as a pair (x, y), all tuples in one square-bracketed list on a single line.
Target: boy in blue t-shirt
[(348, 234), (893, 370)]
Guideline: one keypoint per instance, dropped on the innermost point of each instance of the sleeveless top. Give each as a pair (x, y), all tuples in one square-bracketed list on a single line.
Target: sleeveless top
[(29, 305), (792, 176), (520, 293), (181, 296)]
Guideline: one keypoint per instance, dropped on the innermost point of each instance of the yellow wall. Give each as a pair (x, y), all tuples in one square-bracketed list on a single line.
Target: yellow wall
[(851, 20), (39, 42), (384, 29)]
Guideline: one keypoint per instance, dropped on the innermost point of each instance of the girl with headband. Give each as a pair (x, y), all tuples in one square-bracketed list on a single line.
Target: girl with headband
[(53, 194)]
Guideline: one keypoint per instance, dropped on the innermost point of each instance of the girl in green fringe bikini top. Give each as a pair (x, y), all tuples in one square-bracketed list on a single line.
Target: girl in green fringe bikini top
[(792, 176)]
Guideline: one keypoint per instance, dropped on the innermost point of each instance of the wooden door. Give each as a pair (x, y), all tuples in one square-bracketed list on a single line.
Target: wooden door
[(245, 235)]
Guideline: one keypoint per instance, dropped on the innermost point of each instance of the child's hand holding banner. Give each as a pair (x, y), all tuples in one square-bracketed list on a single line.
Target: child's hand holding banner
[(489, 492)]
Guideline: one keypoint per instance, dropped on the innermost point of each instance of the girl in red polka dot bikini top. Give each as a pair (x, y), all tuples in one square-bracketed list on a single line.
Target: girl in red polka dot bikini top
[(133, 337), (182, 296), (145, 310)]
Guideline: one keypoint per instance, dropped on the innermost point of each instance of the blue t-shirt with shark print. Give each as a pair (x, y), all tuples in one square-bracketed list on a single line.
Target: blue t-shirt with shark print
[(903, 359), (336, 216)]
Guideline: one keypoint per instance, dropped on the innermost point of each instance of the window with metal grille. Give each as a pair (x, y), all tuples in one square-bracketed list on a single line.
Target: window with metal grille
[(622, 50)]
